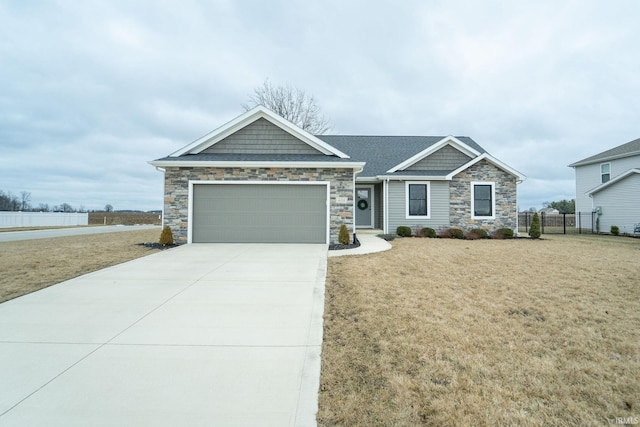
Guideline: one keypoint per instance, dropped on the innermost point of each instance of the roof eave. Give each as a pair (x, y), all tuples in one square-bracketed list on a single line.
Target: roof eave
[(255, 164)]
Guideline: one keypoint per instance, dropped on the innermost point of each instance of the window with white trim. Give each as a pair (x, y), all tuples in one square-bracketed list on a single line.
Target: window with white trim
[(483, 200), (417, 197), (605, 172)]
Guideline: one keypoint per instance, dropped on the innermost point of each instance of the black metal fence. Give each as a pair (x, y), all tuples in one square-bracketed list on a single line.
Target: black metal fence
[(578, 223)]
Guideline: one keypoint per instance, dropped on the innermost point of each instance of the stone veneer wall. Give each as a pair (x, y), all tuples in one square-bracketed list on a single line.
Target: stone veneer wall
[(506, 215), (176, 191)]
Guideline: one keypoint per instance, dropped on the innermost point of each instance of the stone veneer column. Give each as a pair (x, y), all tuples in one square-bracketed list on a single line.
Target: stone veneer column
[(176, 198)]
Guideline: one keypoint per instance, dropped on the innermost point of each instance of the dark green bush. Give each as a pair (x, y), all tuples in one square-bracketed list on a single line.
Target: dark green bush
[(403, 231), (503, 233), (343, 235), (428, 232), (477, 233), (456, 233), (166, 237), (534, 230), (615, 230)]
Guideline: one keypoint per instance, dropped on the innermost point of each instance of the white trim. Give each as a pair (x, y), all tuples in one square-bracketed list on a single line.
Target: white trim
[(371, 189), (385, 207), (449, 140), (493, 199), (492, 160), (246, 119), (233, 182), (255, 164), (612, 181), (406, 200)]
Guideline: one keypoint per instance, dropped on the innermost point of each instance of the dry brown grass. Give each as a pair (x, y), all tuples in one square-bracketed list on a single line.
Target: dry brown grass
[(30, 265), (447, 332)]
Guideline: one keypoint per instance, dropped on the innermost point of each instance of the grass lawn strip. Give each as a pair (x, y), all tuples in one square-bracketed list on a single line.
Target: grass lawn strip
[(448, 332), (30, 265)]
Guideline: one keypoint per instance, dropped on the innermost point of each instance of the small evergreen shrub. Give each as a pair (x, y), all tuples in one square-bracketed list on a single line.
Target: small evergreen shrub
[(534, 230), (403, 231), (166, 237), (456, 233), (615, 230), (477, 233), (503, 233), (343, 235), (428, 232)]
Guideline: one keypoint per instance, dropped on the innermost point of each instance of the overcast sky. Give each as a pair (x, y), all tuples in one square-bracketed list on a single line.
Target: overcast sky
[(92, 90)]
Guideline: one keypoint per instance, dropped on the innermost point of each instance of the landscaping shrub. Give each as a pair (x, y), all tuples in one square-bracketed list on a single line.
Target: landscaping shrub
[(343, 235), (403, 231), (503, 233), (455, 233), (615, 230), (477, 233), (534, 230), (428, 232), (166, 237)]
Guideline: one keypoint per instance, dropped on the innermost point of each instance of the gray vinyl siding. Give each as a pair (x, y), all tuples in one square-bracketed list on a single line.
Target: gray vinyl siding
[(588, 177), (439, 200), (620, 204), (446, 158), (239, 213), (261, 137)]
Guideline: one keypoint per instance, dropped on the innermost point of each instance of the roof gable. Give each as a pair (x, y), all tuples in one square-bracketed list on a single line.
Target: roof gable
[(260, 137), (497, 163), (613, 181), (446, 158), (625, 150), (449, 140), (223, 132)]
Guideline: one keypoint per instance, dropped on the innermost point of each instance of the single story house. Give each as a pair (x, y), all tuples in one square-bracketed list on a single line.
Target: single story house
[(608, 183), (260, 178)]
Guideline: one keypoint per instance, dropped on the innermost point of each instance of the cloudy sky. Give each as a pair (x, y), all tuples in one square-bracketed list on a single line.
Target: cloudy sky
[(92, 90)]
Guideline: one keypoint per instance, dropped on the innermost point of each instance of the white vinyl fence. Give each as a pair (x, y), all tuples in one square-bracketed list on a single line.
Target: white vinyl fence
[(42, 219)]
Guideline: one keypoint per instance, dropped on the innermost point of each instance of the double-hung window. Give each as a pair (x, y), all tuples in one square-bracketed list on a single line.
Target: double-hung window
[(483, 200), (417, 196), (605, 172)]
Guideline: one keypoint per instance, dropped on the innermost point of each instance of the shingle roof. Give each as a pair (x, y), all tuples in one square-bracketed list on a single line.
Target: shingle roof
[(384, 152), (625, 150)]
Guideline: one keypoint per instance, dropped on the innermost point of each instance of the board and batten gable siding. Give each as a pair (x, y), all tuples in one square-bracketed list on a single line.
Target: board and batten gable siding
[(446, 158), (620, 204), (588, 177), (439, 199), (261, 137)]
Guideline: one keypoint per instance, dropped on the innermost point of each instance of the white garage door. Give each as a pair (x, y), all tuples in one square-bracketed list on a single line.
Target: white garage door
[(259, 213)]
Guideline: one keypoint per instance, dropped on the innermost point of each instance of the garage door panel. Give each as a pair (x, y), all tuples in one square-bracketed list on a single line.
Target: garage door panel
[(255, 213)]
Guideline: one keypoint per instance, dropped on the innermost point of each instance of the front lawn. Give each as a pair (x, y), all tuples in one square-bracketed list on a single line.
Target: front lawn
[(515, 332)]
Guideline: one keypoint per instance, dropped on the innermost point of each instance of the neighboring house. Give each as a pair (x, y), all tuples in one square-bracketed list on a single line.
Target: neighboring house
[(259, 178), (609, 184), (549, 211)]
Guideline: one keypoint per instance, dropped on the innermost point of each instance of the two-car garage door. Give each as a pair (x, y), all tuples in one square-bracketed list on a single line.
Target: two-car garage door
[(259, 213)]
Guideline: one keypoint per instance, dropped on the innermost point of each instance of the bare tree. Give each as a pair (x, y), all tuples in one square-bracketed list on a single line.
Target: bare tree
[(292, 104), (25, 200)]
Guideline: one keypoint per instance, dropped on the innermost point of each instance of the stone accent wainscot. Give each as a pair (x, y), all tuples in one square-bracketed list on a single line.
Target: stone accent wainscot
[(506, 215), (176, 199)]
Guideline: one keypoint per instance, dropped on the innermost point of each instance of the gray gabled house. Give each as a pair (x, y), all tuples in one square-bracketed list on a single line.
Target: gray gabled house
[(260, 178), (608, 183)]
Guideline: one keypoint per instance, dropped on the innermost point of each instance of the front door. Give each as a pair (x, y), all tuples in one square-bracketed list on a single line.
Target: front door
[(364, 207)]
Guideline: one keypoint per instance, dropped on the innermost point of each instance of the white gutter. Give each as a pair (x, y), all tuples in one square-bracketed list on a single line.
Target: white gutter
[(257, 164)]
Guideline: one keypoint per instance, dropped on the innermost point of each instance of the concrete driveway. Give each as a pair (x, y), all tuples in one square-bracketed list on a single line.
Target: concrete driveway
[(204, 334)]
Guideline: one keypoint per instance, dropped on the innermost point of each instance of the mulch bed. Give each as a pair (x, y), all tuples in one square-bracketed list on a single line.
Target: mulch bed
[(338, 247)]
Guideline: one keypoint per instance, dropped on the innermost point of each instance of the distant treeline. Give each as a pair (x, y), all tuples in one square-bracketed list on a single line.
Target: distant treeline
[(11, 202)]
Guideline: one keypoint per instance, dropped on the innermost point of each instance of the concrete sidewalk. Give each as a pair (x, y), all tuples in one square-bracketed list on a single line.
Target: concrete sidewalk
[(369, 243), (203, 334)]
